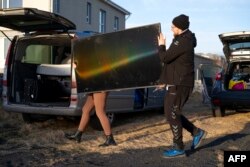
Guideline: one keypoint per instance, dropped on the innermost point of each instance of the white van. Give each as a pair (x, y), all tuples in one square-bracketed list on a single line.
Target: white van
[(38, 77)]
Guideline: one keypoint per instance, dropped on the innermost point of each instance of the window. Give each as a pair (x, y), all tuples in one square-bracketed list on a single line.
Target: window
[(88, 16), (102, 21), (56, 6), (15, 3), (37, 54), (239, 45), (116, 24), (10, 3), (5, 3)]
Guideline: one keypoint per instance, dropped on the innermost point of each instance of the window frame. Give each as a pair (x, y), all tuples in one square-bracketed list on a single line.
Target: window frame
[(56, 6), (116, 23), (88, 12), (102, 21)]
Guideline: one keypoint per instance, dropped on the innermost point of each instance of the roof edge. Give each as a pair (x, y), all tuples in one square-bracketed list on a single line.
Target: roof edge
[(111, 3)]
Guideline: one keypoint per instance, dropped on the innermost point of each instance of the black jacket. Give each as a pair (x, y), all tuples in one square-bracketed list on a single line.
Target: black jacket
[(178, 60)]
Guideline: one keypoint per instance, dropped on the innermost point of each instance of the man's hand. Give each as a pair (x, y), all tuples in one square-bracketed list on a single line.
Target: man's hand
[(159, 87), (161, 39)]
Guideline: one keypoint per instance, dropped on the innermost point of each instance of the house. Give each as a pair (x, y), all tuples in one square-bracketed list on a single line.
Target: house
[(89, 15), (210, 59), (101, 16)]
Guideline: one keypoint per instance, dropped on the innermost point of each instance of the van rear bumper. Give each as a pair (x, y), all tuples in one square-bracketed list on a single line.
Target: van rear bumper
[(66, 111), (232, 99)]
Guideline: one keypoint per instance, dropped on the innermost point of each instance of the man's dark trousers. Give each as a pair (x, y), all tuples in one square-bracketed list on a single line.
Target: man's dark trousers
[(175, 98)]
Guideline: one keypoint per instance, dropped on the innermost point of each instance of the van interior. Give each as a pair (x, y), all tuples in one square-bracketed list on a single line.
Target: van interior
[(41, 71), (239, 78)]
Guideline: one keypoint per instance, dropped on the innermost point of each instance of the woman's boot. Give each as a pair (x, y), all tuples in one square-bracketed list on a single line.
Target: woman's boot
[(109, 141), (77, 136)]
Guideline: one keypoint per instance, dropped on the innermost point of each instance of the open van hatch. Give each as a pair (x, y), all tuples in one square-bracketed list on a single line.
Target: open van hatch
[(39, 64), (236, 45), (31, 19)]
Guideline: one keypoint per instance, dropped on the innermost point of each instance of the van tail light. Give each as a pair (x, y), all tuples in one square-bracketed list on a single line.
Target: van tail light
[(73, 96), (216, 102), (6, 66), (8, 55), (73, 99), (218, 76), (73, 84)]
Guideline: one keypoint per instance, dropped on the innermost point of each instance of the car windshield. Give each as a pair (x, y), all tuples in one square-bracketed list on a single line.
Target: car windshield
[(239, 46)]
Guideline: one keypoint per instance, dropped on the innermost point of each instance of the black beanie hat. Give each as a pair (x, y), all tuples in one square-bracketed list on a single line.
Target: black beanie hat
[(181, 22)]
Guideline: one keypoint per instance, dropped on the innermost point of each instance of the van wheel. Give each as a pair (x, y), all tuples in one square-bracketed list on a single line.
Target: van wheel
[(218, 112), (27, 118), (95, 123), (31, 118)]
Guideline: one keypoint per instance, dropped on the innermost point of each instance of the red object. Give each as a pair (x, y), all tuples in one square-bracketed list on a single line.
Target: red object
[(216, 102), (238, 86), (218, 76)]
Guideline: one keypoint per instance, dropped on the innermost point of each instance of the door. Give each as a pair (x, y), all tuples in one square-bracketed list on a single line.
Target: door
[(236, 45), (119, 60), (31, 19), (208, 77)]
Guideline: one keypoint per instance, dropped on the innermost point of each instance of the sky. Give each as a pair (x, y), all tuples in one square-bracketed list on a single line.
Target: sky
[(208, 18)]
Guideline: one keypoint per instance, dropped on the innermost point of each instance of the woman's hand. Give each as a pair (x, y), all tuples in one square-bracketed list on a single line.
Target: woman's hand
[(159, 87), (74, 64)]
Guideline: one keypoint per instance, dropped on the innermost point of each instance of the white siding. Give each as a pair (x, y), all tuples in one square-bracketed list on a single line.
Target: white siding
[(40, 4)]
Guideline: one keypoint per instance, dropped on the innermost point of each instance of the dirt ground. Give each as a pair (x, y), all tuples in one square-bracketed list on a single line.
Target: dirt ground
[(141, 138)]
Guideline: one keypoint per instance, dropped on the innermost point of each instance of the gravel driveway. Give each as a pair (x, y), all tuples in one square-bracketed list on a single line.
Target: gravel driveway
[(141, 138)]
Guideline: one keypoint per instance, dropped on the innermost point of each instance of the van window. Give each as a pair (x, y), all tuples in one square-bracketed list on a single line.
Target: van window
[(239, 45), (38, 54), (43, 50)]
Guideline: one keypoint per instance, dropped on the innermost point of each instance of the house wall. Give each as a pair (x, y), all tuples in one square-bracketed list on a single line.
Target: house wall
[(201, 60), (77, 14), (42, 4)]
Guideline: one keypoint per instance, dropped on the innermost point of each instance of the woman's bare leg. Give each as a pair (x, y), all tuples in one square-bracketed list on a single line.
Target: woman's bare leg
[(86, 109), (100, 102)]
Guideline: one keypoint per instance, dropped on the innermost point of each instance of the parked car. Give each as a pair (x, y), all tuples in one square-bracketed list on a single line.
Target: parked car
[(231, 86), (38, 77)]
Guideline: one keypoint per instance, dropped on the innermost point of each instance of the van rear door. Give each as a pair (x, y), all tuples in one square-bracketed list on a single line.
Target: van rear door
[(236, 45), (208, 76), (32, 19)]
